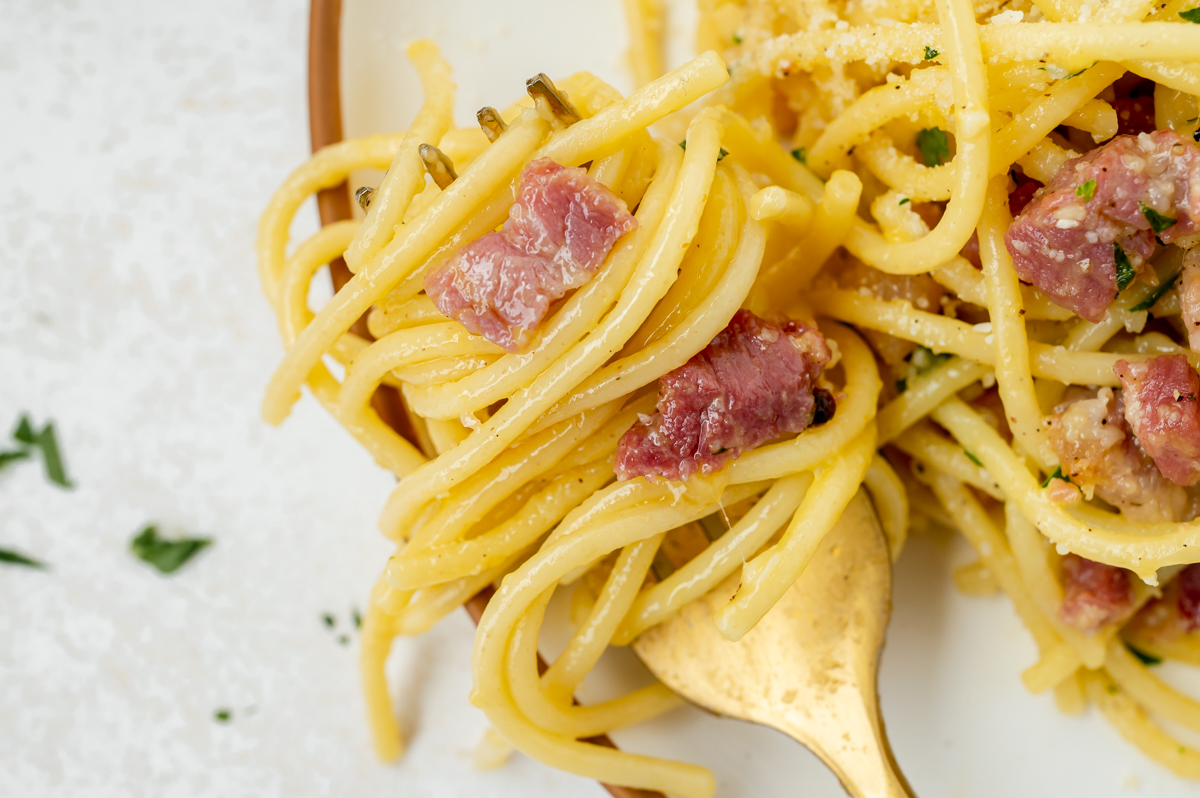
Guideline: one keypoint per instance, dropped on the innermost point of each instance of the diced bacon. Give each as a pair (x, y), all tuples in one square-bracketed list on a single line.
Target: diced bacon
[(1162, 405), (1189, 296), (1063, 242), (1096, 451), (1094, 595), (560, 229), (1020, 196), (1187, 583), (754, 382)]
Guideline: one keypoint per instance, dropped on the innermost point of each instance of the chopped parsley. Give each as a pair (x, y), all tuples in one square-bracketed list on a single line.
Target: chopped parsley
[(930, 53), (1080, 72), (1058, 474), (1125, 270), (1087, 191), (924, 360), (13, 456), (737, 38), (1191, 15), (1152, 300), (223, 715), (344, 639), (43, 440), (905, 201), (720, 155), (165, 555), (329, 620), (971, 456), (356, 618), (1147, 659), (1157, 221), (934, 147), (801, 154), (16, 558)]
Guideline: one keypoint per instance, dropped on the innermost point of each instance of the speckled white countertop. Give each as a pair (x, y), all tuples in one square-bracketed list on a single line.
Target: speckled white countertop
[(139, 142)]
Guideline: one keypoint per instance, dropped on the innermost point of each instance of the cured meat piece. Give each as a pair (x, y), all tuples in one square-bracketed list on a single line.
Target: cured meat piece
[(1188, 585), (1021, 196), (754, 382), (1097, 452), (1162, 406), (1094, 594), (1086, 234), (560, 229)]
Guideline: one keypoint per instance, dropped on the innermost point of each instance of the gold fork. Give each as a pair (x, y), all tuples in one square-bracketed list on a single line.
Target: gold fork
[(809, 667)]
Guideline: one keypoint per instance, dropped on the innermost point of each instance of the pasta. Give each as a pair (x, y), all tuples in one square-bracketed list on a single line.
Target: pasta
[(842, 204)]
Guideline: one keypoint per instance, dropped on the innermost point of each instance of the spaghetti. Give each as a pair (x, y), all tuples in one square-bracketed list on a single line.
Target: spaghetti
[(879, 241)]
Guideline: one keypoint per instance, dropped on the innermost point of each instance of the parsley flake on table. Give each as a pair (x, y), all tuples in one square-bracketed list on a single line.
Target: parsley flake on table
[(17, 558), (165, 555), (45, 441)]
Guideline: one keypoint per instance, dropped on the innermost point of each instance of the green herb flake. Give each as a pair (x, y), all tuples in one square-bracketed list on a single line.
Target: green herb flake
[(1157, 221), (1077, 74), (354, 616), (1058, 474), (1152, 300), (1111, 688), (924, 360), (930, 53), (1146, 659), (344, 639), (934, 146), (901, 385), (1191, 15), (722, 153), (971, 456), (1087, 191), (329, 620), (47, 442), (16, 558), (13, 456), (1125, 270), (165, 555), (223, 715), (737, 38), (801, 154), (905, 201)]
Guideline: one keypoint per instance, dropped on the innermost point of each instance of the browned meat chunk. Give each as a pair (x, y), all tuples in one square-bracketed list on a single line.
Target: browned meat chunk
[(755, 381), (1087, 233), (560, 229)]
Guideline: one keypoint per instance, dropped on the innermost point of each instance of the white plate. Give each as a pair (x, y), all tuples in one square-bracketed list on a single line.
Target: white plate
[(146, 139)]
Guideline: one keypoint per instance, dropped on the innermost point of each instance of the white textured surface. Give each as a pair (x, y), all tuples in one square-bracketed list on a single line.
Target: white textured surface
[(141, 140)]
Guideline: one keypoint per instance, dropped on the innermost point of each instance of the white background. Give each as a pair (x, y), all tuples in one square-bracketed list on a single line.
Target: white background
[(139, 142)]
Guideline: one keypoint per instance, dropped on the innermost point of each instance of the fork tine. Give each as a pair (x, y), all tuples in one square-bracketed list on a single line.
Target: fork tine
[(543, 90), (489, 119), (437, 165)]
